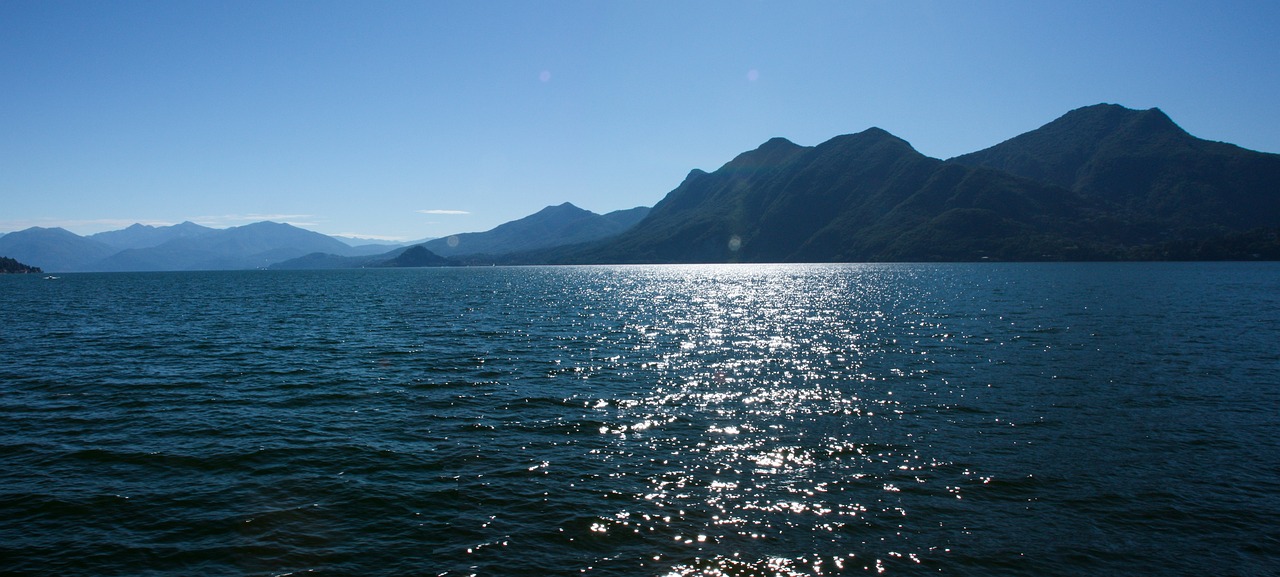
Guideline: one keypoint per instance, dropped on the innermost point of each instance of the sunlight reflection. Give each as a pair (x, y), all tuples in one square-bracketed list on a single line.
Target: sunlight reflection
[(770, 428)]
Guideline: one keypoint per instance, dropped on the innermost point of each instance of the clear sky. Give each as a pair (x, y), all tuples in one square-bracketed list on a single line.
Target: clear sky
[(425, 118)]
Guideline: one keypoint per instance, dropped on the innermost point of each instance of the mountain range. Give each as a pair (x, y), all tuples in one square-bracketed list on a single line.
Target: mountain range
[(553, 226), (1102, 182), (189, 246)]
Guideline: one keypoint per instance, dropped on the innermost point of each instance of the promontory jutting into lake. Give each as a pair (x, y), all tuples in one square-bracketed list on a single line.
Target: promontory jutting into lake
[(723, 384)]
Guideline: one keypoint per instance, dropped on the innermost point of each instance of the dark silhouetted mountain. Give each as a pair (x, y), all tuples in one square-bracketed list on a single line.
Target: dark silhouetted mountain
[(244, 247), (625, 219), (861, 197), (416, 256), (1102, 182), (550, 227), (10, 266), (146, 236), (53, 249), (1152, 179)]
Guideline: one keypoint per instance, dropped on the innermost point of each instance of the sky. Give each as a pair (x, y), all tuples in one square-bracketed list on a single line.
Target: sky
[(410, 120)]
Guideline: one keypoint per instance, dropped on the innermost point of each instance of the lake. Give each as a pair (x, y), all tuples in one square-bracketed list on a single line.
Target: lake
[(954, 419)]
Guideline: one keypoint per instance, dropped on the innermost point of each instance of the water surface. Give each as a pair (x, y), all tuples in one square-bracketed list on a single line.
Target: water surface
[(1046, 419)]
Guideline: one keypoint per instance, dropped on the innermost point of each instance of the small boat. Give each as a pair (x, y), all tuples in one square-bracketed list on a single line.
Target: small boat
[(51, 277)]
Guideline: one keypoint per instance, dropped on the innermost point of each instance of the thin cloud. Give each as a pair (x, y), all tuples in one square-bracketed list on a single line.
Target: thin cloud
[(442, 211)]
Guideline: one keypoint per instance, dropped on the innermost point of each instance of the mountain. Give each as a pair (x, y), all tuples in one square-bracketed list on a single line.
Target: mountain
[(146, 236), (858, 197), (53, 249), (416, 256), (403, 257), (355, 241), (1145, 172), (552, 226), (625, 219), (251, 246), (1100, 183)]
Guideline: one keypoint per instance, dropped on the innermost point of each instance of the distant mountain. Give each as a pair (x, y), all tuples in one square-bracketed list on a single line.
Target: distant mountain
[(1145, 172), (324, 261), (255, 245), (53, 249), (403, 257), (146, 236), (355, 241), (552, 226)]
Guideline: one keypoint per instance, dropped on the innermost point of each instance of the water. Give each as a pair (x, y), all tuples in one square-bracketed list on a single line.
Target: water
[(1056, 419)]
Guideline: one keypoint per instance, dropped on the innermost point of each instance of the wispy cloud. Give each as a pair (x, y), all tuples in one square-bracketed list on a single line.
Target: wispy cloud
[(442, 211)]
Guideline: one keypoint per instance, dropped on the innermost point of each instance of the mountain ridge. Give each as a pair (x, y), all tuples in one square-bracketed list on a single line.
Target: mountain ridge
[(555, 225), (1143, 167), (1101, 182), (140, 235)]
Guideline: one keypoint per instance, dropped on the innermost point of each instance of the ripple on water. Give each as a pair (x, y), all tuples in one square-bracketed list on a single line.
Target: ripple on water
[(700, 420)]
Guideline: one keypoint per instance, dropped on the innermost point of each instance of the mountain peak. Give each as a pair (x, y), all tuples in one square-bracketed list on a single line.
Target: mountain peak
[(778, 143), (869, 139), (773, 152), (1061, 151), (1101, 120)]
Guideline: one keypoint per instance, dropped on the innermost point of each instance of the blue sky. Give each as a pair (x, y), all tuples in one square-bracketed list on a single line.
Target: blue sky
[(422, 119)]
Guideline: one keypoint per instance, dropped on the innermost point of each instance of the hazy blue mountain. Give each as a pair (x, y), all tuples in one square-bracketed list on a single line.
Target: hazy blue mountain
[(145, 236), (552, 226), (53, 249), (373, 249), (402, 257), (251, 246), (1145, 172), (363, 243), (320, 261)]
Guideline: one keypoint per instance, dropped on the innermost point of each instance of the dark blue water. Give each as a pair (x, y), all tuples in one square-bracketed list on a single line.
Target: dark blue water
[(1065, 419)]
